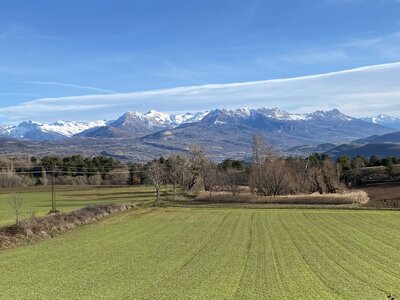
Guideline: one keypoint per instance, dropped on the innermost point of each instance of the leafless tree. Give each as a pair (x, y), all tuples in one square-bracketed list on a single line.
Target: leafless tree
[(276, 176), (213, 177), (198, 162), (43, 179), (233, 180), (330, 176), (9, 178), (15, 203), (299, 176), (95, 179), (175, 168), (261, 153), (324, 177), (118, 177), (156, 176)]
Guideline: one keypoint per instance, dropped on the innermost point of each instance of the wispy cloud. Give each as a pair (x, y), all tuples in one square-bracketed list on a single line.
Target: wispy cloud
[(358, 92), (71, 85), (20, 31)]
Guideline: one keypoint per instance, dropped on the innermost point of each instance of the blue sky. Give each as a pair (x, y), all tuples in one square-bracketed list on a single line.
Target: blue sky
[(58, 49)]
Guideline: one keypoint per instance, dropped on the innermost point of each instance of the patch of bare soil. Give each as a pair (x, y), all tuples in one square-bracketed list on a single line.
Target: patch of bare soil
[(383, 195)]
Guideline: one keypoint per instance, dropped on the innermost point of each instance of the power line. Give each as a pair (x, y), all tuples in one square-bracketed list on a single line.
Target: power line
[(65, 172)]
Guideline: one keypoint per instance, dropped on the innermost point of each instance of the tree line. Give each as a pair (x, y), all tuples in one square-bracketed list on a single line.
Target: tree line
[(267, 174)]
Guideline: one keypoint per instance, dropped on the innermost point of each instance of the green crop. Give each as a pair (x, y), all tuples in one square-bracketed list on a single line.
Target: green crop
[(189, 253)]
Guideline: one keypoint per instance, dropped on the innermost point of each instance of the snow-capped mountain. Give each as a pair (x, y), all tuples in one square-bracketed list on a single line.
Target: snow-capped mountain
[(69, 128), (246, 115), (155, 119), (39, 132), (331, 125), (278, 114), (151, 121), (223, 133), (230, 130), (388, 121)]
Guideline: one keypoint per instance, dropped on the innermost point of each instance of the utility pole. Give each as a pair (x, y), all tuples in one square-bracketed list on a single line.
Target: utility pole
[(54, 209)]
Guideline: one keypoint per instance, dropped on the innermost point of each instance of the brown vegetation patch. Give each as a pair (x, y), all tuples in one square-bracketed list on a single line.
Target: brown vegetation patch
[(383, 195), (353, 197), (109, 195), (33, 229)]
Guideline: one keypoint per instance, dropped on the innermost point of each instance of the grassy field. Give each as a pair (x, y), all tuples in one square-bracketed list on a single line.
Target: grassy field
[(37, 200), (199, 253)]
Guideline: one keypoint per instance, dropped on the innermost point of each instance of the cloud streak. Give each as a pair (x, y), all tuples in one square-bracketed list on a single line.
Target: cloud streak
[(71, 85), (358, 92)]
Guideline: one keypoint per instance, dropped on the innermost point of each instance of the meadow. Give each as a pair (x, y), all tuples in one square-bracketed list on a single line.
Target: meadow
[(37, 200), (218, 253)]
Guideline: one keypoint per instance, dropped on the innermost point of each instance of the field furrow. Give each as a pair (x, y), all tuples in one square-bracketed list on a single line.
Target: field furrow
[(202, 253)]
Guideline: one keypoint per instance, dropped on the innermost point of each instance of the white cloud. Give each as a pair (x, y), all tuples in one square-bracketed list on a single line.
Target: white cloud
[(84, 87), (357, 92)]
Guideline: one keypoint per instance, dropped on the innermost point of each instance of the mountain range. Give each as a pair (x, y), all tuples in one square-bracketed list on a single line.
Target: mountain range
[(223, 133)]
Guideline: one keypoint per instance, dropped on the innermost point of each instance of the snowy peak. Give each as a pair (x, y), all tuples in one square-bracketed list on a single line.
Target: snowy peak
[(152, 121), (329, 115), (385, 120), (155, 120), (223, 116), (69, 128), (157, 117), (58, 130), (275, 113)]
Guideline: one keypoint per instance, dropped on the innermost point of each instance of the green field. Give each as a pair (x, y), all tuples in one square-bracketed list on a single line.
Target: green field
[(200, 253), (37, 200)]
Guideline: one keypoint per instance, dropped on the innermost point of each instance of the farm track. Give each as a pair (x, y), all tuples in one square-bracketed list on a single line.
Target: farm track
[(197, 253)]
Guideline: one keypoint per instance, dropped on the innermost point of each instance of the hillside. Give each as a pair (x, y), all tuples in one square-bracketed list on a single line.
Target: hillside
[(380, 150)]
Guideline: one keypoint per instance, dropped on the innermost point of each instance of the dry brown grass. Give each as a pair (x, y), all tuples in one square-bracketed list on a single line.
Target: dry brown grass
[(45, 227), (348, 197)]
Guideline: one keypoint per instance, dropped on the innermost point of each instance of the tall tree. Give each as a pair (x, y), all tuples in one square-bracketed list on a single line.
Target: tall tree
[(156, 176), (175, 168)]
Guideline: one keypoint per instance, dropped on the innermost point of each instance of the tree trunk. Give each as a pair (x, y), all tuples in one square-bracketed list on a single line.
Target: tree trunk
[(158, 196)]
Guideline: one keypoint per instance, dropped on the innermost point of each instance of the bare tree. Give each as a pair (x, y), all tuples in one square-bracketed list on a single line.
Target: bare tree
[(118, 177), (213, 177), (43, 179), (9, 178), (175, 169), (198, 163), (324, 176), (15, 203), (156, 176), (330, 176), (276, 176), (299, 174), (261, 153), (233, 180), (95, 179)]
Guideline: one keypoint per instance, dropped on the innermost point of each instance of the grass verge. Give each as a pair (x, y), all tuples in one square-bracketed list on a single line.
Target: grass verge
[(34, 229)]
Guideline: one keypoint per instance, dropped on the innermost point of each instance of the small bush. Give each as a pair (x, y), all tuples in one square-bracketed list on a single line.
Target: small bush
[(53, 224)]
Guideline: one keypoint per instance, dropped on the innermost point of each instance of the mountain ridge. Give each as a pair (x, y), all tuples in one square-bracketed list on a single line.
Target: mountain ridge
[(223, 133)]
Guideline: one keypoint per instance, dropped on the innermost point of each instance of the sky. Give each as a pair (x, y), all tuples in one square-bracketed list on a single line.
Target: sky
[(87, 60)]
